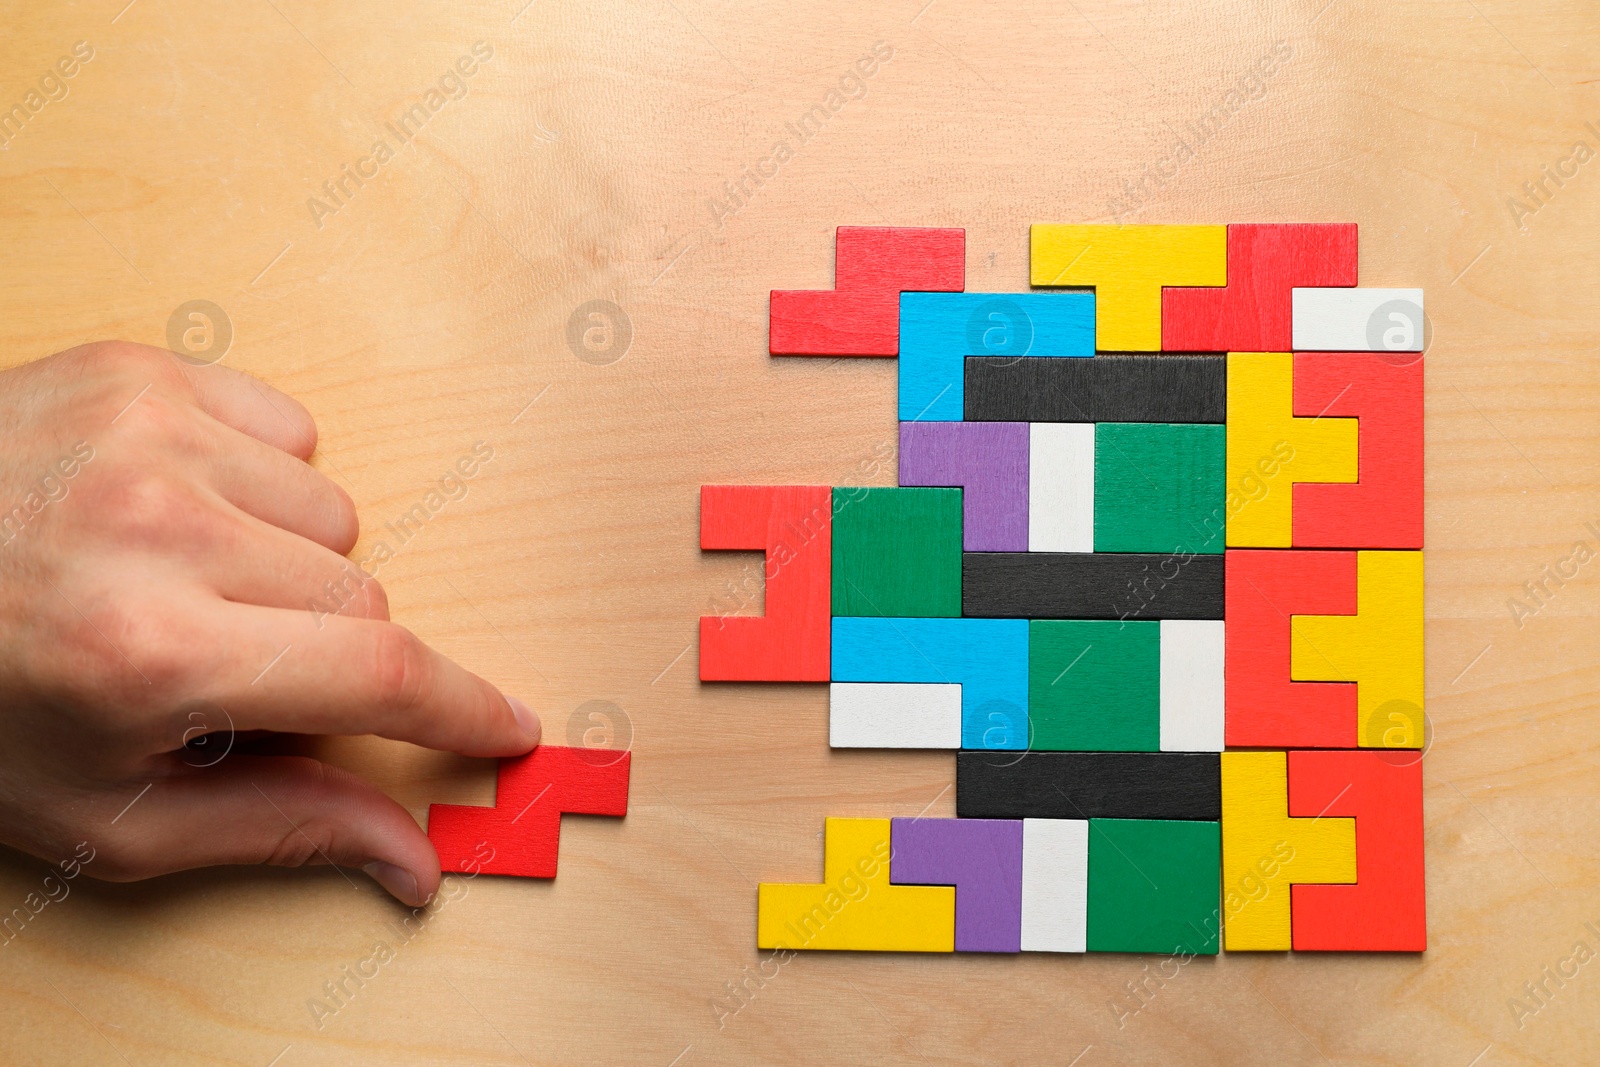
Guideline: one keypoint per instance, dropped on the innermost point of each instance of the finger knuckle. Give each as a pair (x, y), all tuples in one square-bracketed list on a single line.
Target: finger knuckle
[(149, 509), (126, 360)]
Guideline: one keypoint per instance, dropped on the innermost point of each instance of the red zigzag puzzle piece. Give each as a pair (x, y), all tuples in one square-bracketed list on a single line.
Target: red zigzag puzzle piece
[(1252, 312), (1263, 707), (793, 524), (1385, 910), (1383, 509), (860, 315), (531, 794)]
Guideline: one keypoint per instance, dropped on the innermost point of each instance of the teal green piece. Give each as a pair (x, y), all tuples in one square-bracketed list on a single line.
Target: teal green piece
[(897, 552), (1154, 886), (1094, 686), (1159, 487)]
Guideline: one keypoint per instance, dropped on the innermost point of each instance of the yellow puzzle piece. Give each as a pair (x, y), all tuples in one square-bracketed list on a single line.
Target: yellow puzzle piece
[(1269, 449), (856, 907), (1379, 648), (1264, 851), (1127, 266)]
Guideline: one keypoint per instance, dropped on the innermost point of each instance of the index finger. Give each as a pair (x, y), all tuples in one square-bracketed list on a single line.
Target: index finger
[(313, 673)]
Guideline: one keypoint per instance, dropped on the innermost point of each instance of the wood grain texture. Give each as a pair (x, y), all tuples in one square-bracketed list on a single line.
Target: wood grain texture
[(433, 307), (1127, 388), (1088, 785), (1091, 585)]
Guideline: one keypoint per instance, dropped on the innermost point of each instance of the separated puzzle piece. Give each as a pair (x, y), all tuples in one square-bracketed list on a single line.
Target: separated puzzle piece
[(793, 525), (532, 792)]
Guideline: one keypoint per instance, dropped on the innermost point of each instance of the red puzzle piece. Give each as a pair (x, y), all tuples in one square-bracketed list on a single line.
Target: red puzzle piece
[(1384, 508), (860, 315), (1263, 708), (1385, 910), (523, 829), (1252, 312), (793, 524)]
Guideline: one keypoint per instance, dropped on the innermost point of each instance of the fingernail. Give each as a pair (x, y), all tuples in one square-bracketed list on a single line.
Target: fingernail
[(397, 881), (527, 718)]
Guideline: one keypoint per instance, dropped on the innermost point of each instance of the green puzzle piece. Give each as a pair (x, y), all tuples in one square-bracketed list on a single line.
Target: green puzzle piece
[(1094, 686), (897, 552), (1159, 487), (1153, 886)]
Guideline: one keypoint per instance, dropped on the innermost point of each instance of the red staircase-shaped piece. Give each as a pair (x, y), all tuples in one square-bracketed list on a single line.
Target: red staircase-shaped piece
[(1265, 262), (860, 315), (532, 793)]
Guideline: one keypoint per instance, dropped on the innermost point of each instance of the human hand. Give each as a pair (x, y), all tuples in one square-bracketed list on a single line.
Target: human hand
[(161, 539)]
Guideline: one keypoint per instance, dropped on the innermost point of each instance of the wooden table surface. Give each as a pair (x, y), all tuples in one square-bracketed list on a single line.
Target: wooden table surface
[(589, 157)]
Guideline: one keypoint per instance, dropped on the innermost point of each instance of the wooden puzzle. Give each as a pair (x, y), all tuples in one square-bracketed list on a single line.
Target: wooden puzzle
[(1152, 570)]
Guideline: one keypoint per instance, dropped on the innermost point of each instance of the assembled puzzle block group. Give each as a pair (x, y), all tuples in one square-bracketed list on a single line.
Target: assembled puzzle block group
[(1152, 566)]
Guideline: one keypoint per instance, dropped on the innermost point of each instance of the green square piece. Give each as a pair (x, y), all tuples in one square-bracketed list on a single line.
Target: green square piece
[(1154, 886), (1159, 487), (1094, 686), (897, 552)]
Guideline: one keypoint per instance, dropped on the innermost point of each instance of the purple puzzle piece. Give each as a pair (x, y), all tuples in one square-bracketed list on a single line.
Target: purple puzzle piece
[(982, 858), (989, 461)]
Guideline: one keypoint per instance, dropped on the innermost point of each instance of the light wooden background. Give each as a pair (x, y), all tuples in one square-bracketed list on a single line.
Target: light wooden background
[(431, 310)]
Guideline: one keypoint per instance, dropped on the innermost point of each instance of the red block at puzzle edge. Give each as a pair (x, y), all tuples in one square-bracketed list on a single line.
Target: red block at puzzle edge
[(1262, 706), (1383, 507), (532, 792), (1386, 909), (1266, 262), (860, 315), (793, 525)]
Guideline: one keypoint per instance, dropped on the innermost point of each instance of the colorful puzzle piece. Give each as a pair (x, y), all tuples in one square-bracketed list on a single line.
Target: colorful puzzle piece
[(1384, 911), (1055, 885), (860, 316), (894, 715), (1383, 507), (896, 552), (988, 658), (1061, 487), (532, 792), (988, 461), (1359, 320), (1158, 487), (1265, 851), (1153, 886), (1094, 686), (1252, 313), (940, 330), (1265, 706), (1379, 648), (793, 526), (856, 906), (1127, 266), (982, 859)]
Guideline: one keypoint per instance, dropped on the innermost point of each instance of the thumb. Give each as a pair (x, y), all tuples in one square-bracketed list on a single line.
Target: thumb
[(289, 811)]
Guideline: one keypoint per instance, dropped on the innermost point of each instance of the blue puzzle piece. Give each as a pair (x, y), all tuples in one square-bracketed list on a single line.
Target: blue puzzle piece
[(938, 331), (987, 657)]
